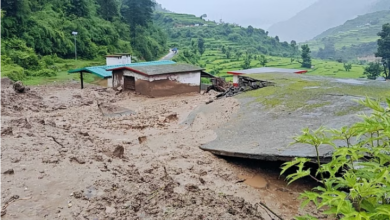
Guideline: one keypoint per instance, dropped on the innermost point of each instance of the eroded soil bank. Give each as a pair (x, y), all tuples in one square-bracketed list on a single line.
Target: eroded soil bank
[(67, 160)]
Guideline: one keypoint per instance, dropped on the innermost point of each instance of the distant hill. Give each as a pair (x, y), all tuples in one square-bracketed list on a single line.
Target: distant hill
[(184, 30), (322, 15), (354, 38)]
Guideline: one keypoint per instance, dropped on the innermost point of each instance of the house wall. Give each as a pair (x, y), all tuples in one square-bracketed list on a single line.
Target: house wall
[(117, 78), (235, 81), (118, 60), (165, 85), (109, 82)]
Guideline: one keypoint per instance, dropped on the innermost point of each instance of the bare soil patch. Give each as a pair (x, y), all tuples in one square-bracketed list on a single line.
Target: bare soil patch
[(63, 159)]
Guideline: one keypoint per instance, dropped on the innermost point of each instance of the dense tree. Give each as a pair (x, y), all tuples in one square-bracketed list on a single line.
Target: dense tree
[(80, 8), (223, 49), (108, 9), (329, 51), (201, 46), (306, 58), (277, 39), (263, 60), (384, 49), (228, 54), (247, 62), (37, 33), (137, 12), (347, 67), (373, 70), (250, 30)]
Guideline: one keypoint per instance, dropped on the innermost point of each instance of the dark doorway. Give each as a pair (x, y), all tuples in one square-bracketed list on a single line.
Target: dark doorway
[(129, 83)]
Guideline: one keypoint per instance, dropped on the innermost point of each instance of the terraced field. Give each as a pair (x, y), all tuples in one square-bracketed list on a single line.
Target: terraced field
[(216, 62)]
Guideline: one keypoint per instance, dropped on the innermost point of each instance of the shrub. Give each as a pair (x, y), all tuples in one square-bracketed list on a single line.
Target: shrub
[(44, 72), (363, 190)]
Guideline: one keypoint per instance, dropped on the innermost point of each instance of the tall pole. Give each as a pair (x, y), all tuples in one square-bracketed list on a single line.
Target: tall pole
[(75, 47)]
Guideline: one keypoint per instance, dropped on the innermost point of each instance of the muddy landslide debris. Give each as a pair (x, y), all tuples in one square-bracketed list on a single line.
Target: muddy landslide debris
[(148, 165)]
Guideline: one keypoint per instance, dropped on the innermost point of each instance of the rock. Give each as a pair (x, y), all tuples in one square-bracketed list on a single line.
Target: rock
[(84, 133), (16, 159), (110, 210), (19, 87), (9, 171), (78, 194), (142, 139), (118, 152), (171, 117), (78, 159), (6, 131), (192, 188)]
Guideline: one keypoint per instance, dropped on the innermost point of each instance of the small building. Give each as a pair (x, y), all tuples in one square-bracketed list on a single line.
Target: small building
[(237, 73), (101, 71), (118, 59), (159, 80)]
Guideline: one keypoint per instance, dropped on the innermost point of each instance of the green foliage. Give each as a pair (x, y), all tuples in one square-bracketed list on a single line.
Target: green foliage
[(35, 32), (384, 49), (373, 70), (355, 38), (306, 59), (247, 62), (263, 60), (182, 28), (347, 67), (108, 9), (363, 189), (201, 47)]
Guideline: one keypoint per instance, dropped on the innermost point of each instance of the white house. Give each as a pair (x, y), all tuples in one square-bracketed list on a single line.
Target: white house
[(118, 59), (159, 80)]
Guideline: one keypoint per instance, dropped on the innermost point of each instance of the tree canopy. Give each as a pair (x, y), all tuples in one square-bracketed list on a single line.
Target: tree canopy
[(384, 49)]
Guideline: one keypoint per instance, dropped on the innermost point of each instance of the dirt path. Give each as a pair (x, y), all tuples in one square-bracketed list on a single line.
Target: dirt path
[(68, 161), (169, 56)]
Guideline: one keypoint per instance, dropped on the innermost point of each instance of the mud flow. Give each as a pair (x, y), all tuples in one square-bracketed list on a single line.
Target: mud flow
[(91, 154)]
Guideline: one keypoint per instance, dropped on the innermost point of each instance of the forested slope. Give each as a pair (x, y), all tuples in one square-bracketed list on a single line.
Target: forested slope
[(37, 34), (186, 31), (355, 38)]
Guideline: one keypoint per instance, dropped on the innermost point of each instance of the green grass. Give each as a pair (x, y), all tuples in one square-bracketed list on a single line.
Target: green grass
[(62, 74), (215, 60)]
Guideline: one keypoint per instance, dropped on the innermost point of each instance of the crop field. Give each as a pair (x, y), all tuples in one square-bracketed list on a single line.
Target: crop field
[(216, 62)]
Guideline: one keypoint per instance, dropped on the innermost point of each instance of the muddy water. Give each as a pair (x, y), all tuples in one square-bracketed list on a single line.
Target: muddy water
[(257, 181)]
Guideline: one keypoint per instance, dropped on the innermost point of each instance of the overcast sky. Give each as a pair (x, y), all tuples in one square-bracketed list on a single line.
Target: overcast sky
[(258, 13)]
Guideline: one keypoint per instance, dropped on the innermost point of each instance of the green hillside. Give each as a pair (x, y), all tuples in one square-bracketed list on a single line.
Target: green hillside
[(356, 37), (322, 15), (184, 30), (37, 38)]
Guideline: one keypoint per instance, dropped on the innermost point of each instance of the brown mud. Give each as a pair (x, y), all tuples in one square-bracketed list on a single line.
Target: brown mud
[(69, 161)]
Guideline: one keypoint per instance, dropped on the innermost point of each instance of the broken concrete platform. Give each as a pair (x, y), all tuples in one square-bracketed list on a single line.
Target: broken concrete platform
[(269, 118)]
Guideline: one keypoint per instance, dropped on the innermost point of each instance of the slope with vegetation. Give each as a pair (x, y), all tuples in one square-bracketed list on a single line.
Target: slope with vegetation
[(184, 31), (355, 38), (322, 15), (37, 34), (220, 48)]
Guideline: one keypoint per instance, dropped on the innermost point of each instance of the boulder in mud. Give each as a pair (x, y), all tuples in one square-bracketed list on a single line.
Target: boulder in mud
[(19, 87), (118, 152)]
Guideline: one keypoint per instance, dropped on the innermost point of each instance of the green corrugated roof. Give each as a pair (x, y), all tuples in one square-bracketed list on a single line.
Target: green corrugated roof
[(101, 71)]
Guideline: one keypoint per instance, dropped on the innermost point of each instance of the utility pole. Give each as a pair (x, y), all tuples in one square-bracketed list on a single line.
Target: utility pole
[(75, 47)]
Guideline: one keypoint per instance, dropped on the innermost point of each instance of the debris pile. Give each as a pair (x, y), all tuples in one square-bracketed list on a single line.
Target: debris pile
[(19, 87), (245, 84)]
